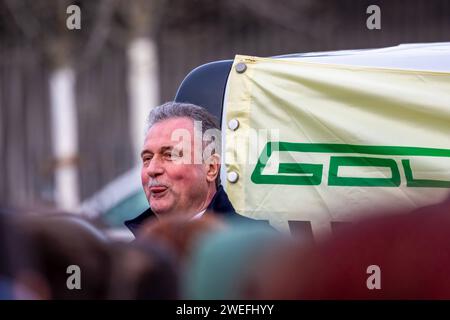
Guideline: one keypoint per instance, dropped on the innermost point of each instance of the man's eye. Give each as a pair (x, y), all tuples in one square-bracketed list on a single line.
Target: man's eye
[(146, 159), (169, 155)]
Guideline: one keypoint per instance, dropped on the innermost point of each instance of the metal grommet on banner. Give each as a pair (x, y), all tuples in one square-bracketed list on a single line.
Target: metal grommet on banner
[(232, 176), (233, 124), (241, 67)]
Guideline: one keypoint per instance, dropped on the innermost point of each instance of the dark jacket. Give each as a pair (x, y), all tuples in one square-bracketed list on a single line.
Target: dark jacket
[(219, 205)]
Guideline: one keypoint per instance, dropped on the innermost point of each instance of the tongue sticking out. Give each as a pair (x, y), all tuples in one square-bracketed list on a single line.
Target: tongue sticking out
[(157, 190)]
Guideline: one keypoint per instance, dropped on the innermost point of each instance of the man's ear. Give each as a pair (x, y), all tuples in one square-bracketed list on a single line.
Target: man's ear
[(212, 167)]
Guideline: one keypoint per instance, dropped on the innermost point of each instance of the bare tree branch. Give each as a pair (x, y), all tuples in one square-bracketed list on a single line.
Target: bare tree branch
[(100, 33), (27, 23), (300, 16)]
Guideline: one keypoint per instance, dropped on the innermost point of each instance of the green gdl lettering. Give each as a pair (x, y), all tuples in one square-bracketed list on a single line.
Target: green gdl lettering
[(303, 174)]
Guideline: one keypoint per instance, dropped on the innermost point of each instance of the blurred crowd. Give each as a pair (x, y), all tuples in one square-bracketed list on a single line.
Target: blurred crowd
[(213, 258)]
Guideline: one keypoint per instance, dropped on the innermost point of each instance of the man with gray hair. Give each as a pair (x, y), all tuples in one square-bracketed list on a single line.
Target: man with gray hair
[(180, 171)]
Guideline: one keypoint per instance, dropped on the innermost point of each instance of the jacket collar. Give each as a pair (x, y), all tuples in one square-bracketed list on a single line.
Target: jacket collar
[(220, 204)]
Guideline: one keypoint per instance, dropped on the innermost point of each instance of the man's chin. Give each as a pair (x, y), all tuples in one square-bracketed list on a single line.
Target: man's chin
[(160, 210)]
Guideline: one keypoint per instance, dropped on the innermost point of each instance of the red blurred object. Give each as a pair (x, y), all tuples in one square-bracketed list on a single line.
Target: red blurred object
[(412, 251)]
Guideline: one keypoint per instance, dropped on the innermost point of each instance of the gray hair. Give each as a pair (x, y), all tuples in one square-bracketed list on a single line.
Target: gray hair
[(174, 109)]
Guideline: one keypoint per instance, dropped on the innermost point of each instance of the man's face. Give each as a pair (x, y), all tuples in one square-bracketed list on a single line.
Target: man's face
[(172, 184)]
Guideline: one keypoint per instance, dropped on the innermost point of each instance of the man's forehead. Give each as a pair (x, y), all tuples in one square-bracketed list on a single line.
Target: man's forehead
[(167, 132), (170, 125)]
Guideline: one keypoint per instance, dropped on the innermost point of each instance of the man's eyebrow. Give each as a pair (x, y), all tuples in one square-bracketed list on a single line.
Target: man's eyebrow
[(166, 148), (161, 150), (144, 152)]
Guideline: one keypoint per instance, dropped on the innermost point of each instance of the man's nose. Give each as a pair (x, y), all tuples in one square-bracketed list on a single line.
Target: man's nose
[(154, 168)]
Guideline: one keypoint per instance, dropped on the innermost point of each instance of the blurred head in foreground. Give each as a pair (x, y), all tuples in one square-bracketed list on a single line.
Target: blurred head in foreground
[(228, 264), (180, 234), (18, 276), (63, 244), (143, 271)]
